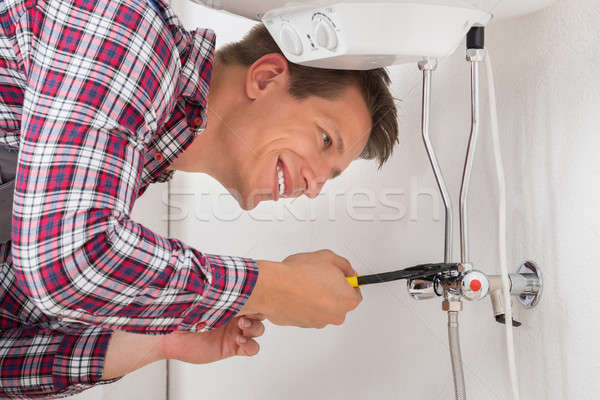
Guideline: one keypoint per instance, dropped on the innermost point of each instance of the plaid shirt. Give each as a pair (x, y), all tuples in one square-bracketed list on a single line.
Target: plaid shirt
[(99, 97)]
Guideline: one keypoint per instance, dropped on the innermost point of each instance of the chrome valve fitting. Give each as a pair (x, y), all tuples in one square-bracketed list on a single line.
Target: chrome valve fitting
[(474, 285)]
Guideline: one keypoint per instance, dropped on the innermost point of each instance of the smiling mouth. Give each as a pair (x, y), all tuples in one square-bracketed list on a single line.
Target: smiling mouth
[(280, 180)]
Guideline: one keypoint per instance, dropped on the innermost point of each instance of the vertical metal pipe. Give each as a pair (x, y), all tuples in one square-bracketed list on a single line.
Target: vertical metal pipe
[(474, 57), (427, 66), (455, 356)]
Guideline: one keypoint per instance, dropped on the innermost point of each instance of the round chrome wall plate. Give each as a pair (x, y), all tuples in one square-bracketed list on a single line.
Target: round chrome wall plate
[(535, 284)]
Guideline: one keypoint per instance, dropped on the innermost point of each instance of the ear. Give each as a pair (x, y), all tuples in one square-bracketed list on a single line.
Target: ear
[(269, 72)]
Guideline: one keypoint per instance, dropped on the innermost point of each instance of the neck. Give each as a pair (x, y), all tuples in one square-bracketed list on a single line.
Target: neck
[(207, 153)]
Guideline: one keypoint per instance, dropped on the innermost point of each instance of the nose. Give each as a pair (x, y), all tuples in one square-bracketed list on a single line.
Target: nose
[(313, 182)]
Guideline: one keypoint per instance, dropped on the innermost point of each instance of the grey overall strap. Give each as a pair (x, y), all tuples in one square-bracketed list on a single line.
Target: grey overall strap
[(8, 166)]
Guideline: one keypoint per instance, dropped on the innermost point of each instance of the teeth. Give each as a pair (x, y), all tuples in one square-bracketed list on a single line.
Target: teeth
[(281, 181)]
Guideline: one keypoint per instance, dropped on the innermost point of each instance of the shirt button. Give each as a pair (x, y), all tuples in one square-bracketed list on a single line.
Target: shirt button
[(158, 157), (200, 326), (197, 122)]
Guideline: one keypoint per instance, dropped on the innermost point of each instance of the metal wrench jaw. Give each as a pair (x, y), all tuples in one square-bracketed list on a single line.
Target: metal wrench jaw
[(428, 287), (422, 289)]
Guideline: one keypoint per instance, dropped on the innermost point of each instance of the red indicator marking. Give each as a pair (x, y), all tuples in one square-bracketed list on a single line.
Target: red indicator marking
[(475, 285)]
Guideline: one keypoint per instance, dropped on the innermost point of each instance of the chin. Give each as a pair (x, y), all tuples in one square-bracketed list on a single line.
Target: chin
[(248, 204), (245, 201), (249, 199)]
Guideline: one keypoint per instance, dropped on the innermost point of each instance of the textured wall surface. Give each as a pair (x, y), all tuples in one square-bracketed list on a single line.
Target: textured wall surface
[(549, 94), (391, 347)]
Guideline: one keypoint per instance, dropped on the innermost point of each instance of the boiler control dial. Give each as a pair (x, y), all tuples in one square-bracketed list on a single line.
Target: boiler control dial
[(325, 34), (290, 40)]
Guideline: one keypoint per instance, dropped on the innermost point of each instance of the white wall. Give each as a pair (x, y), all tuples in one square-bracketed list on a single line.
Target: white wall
[(548, 68), (393, 347)]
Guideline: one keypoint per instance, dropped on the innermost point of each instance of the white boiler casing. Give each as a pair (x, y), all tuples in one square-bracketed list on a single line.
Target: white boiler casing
[(362, 34)]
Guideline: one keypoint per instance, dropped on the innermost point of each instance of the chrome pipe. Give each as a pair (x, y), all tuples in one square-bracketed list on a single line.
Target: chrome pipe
[(474, 56), (455, 356), (428, 66)]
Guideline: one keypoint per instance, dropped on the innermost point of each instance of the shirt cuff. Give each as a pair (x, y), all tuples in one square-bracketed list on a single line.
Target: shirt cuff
[(79, 359), (230, 281)]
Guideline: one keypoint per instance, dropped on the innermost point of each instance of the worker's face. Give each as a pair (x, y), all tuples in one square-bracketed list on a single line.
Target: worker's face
[(310, 140)]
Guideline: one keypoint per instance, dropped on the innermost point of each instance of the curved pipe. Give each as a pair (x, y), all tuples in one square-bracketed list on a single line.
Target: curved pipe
[(427, 66), (466, 176)]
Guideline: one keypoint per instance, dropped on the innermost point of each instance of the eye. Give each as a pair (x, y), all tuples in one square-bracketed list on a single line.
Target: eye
[(326, 139)]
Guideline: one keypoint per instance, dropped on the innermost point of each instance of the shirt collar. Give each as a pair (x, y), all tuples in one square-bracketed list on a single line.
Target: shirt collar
[(196, 51), (196, 69)]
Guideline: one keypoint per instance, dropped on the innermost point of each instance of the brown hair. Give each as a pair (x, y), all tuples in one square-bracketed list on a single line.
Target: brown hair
[(328, 83)]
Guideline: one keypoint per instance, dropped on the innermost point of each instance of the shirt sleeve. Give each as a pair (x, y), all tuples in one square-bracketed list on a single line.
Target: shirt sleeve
[(51, 362), (97, 87)]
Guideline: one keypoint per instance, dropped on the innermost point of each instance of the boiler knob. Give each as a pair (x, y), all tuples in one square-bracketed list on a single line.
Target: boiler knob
[(290, 40), (325, 35), (475, 285)]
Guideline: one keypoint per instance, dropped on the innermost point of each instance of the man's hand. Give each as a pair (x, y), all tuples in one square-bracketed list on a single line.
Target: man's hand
[(235, 338), (129, 351), (306, 289)]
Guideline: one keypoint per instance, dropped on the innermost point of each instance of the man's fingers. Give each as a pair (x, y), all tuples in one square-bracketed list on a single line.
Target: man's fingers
[(257, 316), (251, 328), (247, 347), (341, 262), (345, 266)]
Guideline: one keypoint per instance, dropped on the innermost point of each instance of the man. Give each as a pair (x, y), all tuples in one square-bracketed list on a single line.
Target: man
[(103, 97)]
